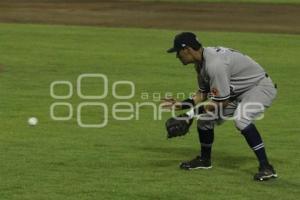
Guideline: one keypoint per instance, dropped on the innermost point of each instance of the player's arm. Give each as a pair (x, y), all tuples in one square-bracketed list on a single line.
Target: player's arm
[(188, 103), (209, 106), (200, 96), (219, 90), (212, 105)]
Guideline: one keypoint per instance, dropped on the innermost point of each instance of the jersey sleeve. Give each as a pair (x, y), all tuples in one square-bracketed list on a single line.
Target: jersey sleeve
[(219, 82)]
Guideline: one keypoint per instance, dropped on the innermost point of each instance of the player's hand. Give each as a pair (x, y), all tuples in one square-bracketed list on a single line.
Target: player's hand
[(170, 103)]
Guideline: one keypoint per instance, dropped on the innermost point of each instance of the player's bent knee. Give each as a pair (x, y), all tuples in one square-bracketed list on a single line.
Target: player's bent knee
[(241, 124)]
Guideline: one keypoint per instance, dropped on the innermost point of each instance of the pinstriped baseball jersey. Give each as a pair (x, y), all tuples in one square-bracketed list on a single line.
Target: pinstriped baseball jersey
[(225, 73)]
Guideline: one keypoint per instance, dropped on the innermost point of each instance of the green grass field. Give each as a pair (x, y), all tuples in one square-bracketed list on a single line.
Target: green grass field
[(132, 159)]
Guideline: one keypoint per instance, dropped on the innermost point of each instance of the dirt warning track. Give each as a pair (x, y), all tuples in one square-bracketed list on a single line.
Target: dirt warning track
[(281, 18)]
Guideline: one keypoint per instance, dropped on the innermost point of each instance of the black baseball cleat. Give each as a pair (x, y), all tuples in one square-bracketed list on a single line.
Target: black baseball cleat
[(265, 172), (196, 163)]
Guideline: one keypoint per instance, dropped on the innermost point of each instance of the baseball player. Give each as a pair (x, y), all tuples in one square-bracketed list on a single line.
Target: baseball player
[(231, 83)]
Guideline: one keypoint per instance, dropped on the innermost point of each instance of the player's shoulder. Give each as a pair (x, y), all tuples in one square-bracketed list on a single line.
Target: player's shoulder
[(215, 57), (215, 52)]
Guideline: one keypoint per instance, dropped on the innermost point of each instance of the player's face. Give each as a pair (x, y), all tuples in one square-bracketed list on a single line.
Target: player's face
[(185, 56)]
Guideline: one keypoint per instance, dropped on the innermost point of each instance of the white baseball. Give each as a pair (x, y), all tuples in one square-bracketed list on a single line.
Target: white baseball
[(32, 121)]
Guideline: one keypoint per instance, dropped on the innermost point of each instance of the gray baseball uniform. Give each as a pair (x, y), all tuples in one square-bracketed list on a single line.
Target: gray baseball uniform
[(229, 74)]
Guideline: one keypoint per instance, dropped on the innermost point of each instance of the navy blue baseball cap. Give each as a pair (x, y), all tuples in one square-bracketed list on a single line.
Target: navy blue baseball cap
[(185, 39)]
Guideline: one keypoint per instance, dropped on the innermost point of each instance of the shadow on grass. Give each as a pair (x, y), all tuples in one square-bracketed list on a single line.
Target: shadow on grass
[(175, 151), (168, 156), (227, 160), (222, 160), (230, 163)]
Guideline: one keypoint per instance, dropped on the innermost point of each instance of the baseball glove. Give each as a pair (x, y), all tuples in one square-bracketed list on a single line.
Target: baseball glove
[(178, 126)]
